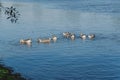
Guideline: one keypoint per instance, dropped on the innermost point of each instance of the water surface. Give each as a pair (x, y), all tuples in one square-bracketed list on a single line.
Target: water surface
[(96, 59)]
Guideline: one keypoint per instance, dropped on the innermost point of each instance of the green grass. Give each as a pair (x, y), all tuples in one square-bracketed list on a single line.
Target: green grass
[(6, 73)]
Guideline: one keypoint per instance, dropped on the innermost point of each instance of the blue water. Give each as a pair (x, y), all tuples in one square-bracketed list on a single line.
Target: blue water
[(97, 59)]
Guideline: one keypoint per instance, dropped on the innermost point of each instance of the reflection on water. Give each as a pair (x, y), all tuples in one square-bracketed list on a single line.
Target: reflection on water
[(65, 59)]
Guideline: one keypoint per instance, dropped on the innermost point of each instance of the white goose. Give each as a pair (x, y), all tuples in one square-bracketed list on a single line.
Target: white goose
[(91, 36), (26, 41), (54, 38), (44, 40), (83, 36), (66, 34), (72, 36)]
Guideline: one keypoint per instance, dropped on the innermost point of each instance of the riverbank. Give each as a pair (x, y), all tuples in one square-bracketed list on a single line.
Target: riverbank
[(7, 73)]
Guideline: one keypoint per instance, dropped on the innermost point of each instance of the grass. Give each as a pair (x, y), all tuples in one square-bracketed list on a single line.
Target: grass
[(6, 73)]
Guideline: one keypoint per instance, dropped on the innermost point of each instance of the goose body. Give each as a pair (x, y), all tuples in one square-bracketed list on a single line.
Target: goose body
[(83, 36), (67, 34), (91, 36), (72, 36), (54, 38), (26, 41), (44, 40)]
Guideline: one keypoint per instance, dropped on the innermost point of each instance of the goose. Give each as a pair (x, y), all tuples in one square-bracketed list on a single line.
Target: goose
[(83, 36), (66, 34), (25, 41), (72, 36), (91, 36), (44, 40), (54, 38)]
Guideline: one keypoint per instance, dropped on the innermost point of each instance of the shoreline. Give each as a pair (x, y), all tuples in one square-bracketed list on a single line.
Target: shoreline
[(7, 73)]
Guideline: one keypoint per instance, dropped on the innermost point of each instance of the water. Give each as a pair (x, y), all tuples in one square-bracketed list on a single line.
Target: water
[(96, 59)]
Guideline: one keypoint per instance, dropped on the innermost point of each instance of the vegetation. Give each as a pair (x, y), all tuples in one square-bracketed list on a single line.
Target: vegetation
[(11, 13), (6, 73)]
